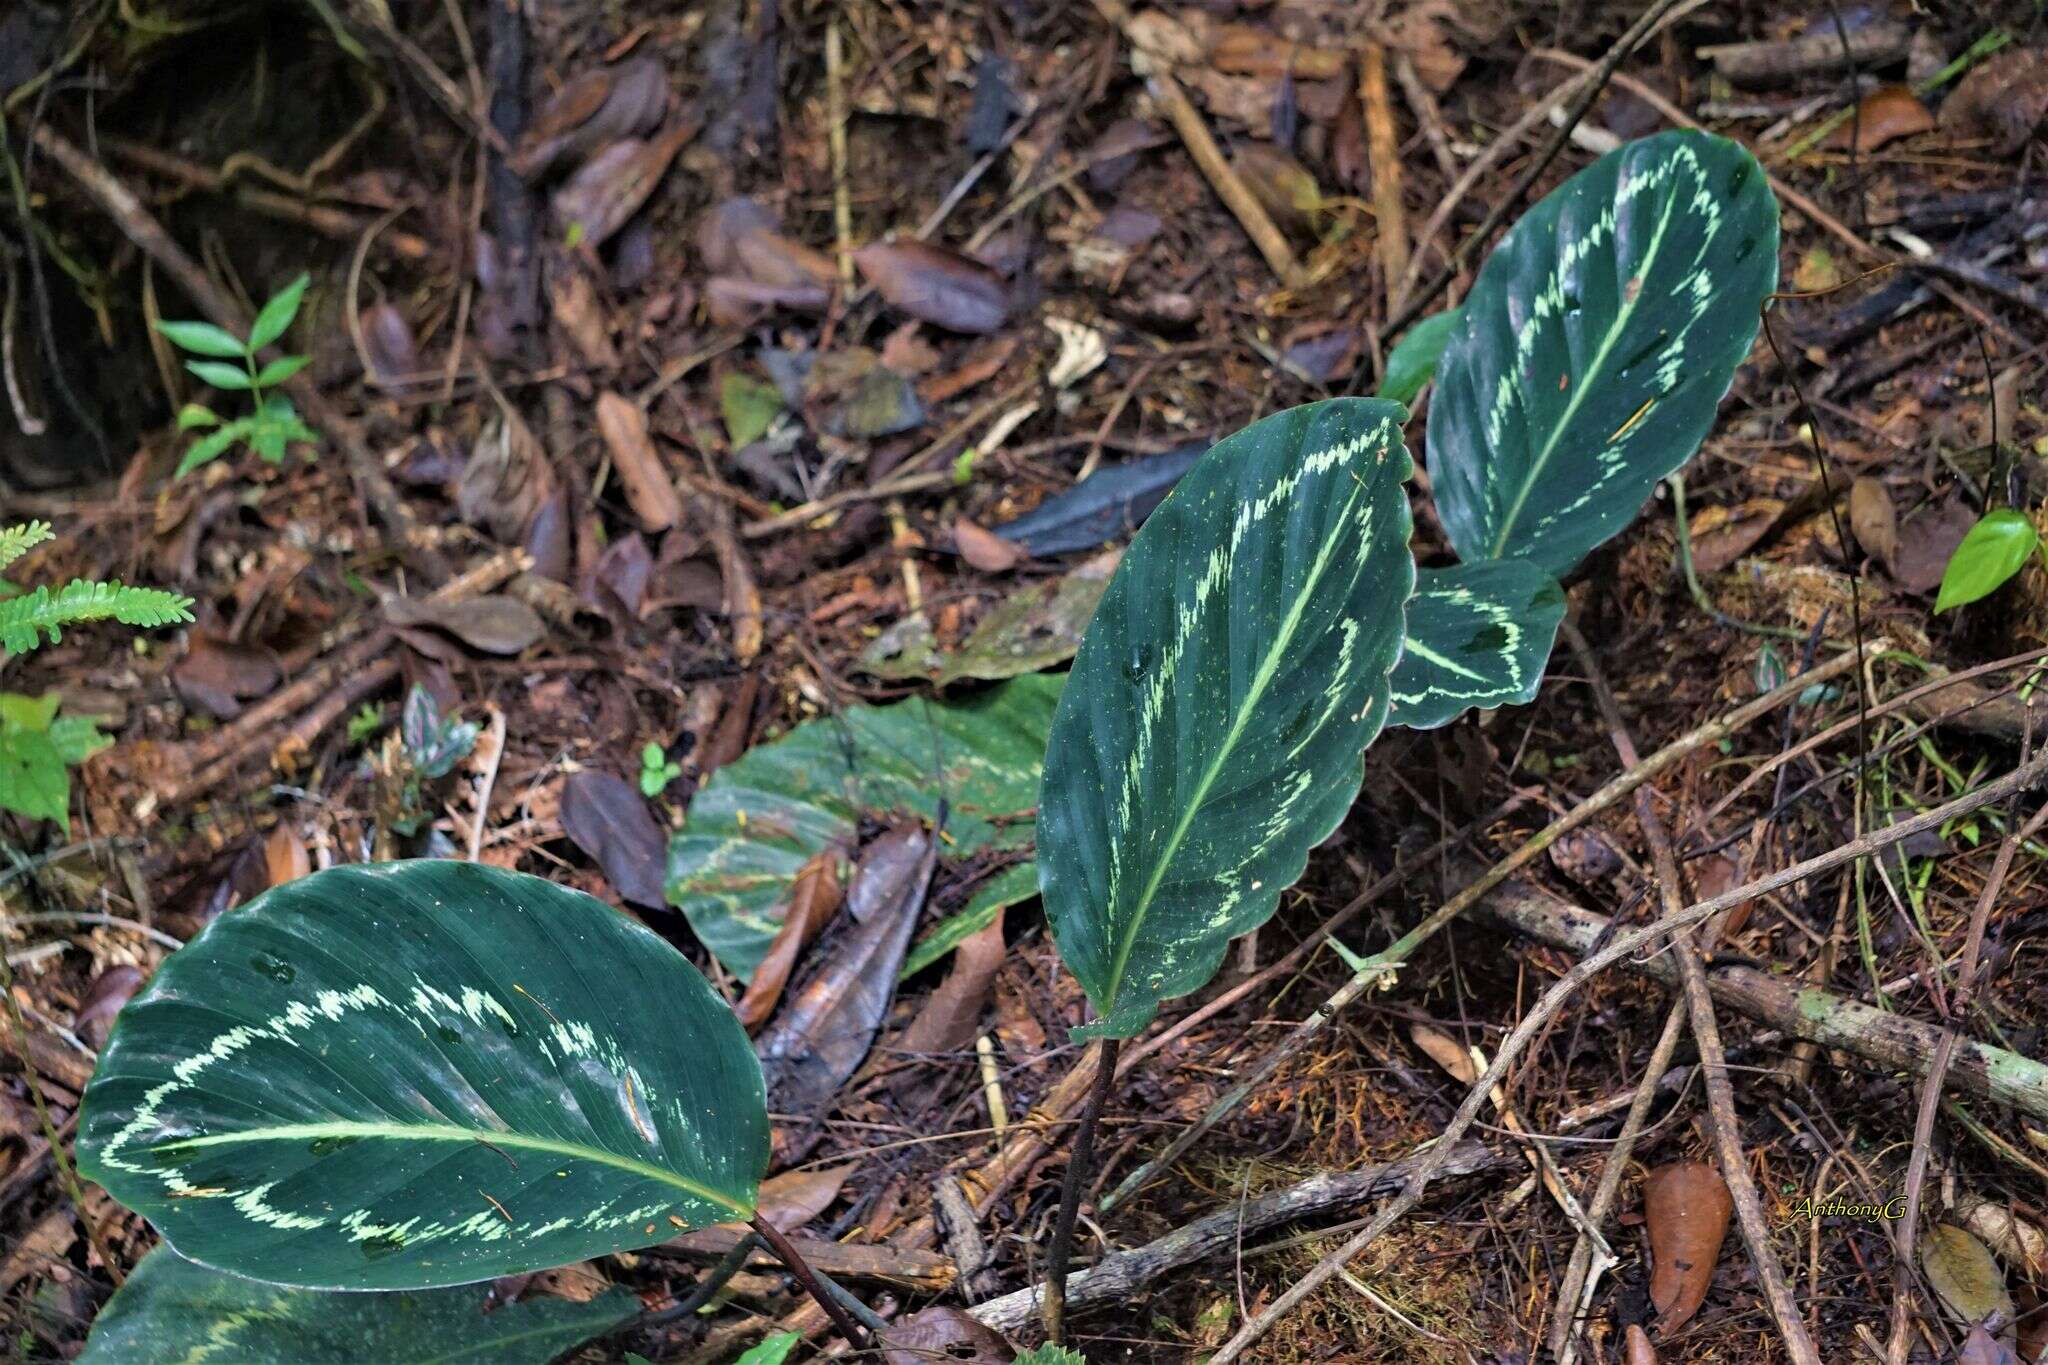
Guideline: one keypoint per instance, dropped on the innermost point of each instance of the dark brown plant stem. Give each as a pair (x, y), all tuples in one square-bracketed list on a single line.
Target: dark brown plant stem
[(1054, 1309), (808, 1278)]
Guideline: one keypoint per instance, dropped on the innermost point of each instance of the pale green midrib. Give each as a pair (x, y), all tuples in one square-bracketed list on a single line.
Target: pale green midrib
[(1260, 680), (448, 1132), (1579, 391), (1423, 651)]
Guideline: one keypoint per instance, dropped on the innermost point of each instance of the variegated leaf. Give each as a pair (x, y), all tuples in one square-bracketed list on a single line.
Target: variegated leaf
[(420, 1074), (1595, 346), (761, 818), (1210, 730), (174, 1310), (1478, 635)]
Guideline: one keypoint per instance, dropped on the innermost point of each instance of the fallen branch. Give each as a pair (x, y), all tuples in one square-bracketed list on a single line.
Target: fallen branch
[(1126, 1272), (1624, 945)]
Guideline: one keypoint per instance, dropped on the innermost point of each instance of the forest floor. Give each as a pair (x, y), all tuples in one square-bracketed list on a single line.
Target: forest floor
[(736, 455)]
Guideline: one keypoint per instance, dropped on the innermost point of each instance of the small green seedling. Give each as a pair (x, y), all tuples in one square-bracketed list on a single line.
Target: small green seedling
[(1995, 549), (367, 720), (38, 747), (273, 423), (656, 771)]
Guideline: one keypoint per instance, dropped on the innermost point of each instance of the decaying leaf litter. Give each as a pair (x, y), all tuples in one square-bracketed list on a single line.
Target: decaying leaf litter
[(767, 385)]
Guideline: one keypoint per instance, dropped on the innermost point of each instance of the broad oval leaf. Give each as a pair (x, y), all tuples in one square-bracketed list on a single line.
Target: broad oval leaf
[(1995, 549), (173, 1309), (418, 1074), (1209, 733), (1589, 358), (1478, 635)]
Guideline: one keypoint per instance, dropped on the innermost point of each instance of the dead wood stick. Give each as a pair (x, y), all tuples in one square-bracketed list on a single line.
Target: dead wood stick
[(925, 1271), (1706, 1031), (1387, 961), (1126, 1272), (141, 228), (1209, 158), (1428, 115), (1824, 49), (1625, 944), (1383, 156)]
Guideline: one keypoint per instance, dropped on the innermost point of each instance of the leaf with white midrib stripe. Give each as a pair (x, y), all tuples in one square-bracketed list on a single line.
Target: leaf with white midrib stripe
[(421, 1074), (1595, 346), (1209, 733), (1478, 636)]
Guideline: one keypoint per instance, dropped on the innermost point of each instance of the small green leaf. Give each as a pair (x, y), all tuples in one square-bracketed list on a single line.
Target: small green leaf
[(195, 415), (277, 314), (773, 1351), (281, 369), (410, 1075), (203, 338), (221, 376), (33, 779), (749, 406), (1412, 362), (1051, 1355), (1995, 549), (77, 738), (175, 1309), (22, 712), (211, 446)]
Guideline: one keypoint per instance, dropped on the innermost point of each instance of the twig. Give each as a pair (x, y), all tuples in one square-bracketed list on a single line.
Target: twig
[(1078, 1160), (1706, 1031), (1623, 945), (1389, 959), (706, 1288), (808, 1278), (1383, 156), (1209, 159), (1937, 1073), (835, 104), (1423, 105)]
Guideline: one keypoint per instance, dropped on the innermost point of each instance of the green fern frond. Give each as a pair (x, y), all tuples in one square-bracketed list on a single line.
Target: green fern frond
[(16, 541), (25, 619)]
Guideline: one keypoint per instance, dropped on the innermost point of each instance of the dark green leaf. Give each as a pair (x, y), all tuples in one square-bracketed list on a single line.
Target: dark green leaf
[(1995, 549), (1593, 350), (1211, 728), (410, 1075), (277, 314), (203, 338), (33, 779), (219, 375), (172, 1309), (1018, 882), (755, 824), (281, 369), (1478, 635), (1412, 362)]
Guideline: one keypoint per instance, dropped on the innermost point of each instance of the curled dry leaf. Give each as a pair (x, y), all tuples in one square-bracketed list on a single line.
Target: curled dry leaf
[(597, 200), (493, 623), (1722, 535), (389, 347), (1873, 518), (582, 318), (1686, 1206), (1964, 1275), (952, 1014), (794, 1198), (1886, 114), (1446, 1051), (944, 1333), (284, 856), (740, 238), (103, 1000), (649, 488), (814, 898), (2004, 98), (218, 675), (936, 285), (593, 109), (608, 819), (984, 549), (1981, 1348), (734, 302)]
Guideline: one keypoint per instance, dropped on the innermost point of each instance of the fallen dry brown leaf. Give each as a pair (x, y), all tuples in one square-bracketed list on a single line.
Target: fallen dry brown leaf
[(1686, 1206)]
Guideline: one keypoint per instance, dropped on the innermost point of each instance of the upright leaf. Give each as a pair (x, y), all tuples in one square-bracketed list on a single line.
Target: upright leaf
[(277, 315), (1210, 730), (173, 1309), (1478, 635), (1413, 361), (1589, 358), (422, 1074), (1996, 548)]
